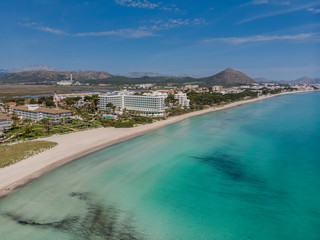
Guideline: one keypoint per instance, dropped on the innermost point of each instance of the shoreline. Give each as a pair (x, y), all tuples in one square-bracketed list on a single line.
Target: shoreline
[(74, 145)]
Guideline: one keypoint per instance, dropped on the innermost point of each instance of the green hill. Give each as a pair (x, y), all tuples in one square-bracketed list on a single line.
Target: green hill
[(228, 77)]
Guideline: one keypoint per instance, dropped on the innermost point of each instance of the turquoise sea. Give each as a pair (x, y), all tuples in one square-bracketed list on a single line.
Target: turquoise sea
[(251, 172)]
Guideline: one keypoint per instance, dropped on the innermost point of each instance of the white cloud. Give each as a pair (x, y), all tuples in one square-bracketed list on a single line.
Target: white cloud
[(51, 30), (261, 38), (138, 32), (174, 23), (281, 12), (273, 2), (124, 33), (36, 26), (137, 3), (314, 11), (146, 4)]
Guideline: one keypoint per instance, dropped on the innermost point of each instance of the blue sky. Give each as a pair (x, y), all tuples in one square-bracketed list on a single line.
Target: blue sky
[(277, 39)]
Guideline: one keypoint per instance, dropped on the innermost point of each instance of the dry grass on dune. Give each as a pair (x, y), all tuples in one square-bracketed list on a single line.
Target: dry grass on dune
[(10, 154)]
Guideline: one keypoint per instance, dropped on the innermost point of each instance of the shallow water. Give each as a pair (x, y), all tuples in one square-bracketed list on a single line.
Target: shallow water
[(251, 172)]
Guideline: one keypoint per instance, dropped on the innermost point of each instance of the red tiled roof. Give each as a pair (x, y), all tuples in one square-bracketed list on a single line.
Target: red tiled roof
[(4, 116)]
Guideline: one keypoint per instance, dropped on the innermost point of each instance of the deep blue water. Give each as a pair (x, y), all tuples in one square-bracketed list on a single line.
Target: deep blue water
[(251, 172)]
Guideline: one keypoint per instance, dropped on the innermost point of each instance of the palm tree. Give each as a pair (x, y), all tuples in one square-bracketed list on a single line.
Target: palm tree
[(60, 122), (125, 113), (16, 120), (87, 119), (46, 124), (114, 109), (110, 106), (27, 126)]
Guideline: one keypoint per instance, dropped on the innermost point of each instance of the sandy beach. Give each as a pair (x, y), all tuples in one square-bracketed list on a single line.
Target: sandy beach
[(73, 145)]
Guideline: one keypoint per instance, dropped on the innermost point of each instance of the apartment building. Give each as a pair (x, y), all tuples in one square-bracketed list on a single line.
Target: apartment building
[(5, 122), (217, 88), (182, 99), (36, 113), (188, 87)]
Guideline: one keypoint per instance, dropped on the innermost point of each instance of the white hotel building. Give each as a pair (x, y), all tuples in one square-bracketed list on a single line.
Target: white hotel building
[(36, 113), (182, 99), (5, 122), (148, 104)]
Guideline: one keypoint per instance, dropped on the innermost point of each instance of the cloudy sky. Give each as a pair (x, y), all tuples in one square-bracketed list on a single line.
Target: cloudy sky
[(277, 39)]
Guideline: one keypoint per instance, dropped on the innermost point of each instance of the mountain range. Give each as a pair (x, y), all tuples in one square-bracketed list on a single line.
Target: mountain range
[(228, 77), (46, 74), (52, 76)]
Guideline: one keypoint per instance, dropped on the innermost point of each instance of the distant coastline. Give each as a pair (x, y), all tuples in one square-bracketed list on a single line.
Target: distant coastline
[(75, 145)]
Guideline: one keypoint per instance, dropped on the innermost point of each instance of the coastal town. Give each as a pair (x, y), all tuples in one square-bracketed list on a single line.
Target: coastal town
[(32, 117), (50, 128), (160, 120)]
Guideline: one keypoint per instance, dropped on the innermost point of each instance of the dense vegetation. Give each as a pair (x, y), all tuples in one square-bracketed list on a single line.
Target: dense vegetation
[(13, 153), (218, 98), (200, 101), (19, 101), (127, 122), (266, 91)]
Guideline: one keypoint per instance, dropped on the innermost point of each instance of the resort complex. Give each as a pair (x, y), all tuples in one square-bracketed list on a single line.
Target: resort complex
[(148, 104), (36, 113), (71, 124), (160, 120)]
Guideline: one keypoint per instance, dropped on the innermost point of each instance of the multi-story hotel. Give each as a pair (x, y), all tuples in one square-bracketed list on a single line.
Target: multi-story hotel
[(36, 113), (148, 104), (182, 99), (5, 122)]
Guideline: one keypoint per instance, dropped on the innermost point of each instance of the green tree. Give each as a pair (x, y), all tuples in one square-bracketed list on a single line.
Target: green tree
[(33, 101), (15, 117), (170, 100), (49, 103), (111, 106), (46, 124), (27, 126)]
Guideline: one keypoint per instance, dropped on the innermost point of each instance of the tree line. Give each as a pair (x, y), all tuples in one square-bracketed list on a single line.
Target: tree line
[(218, 98)]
